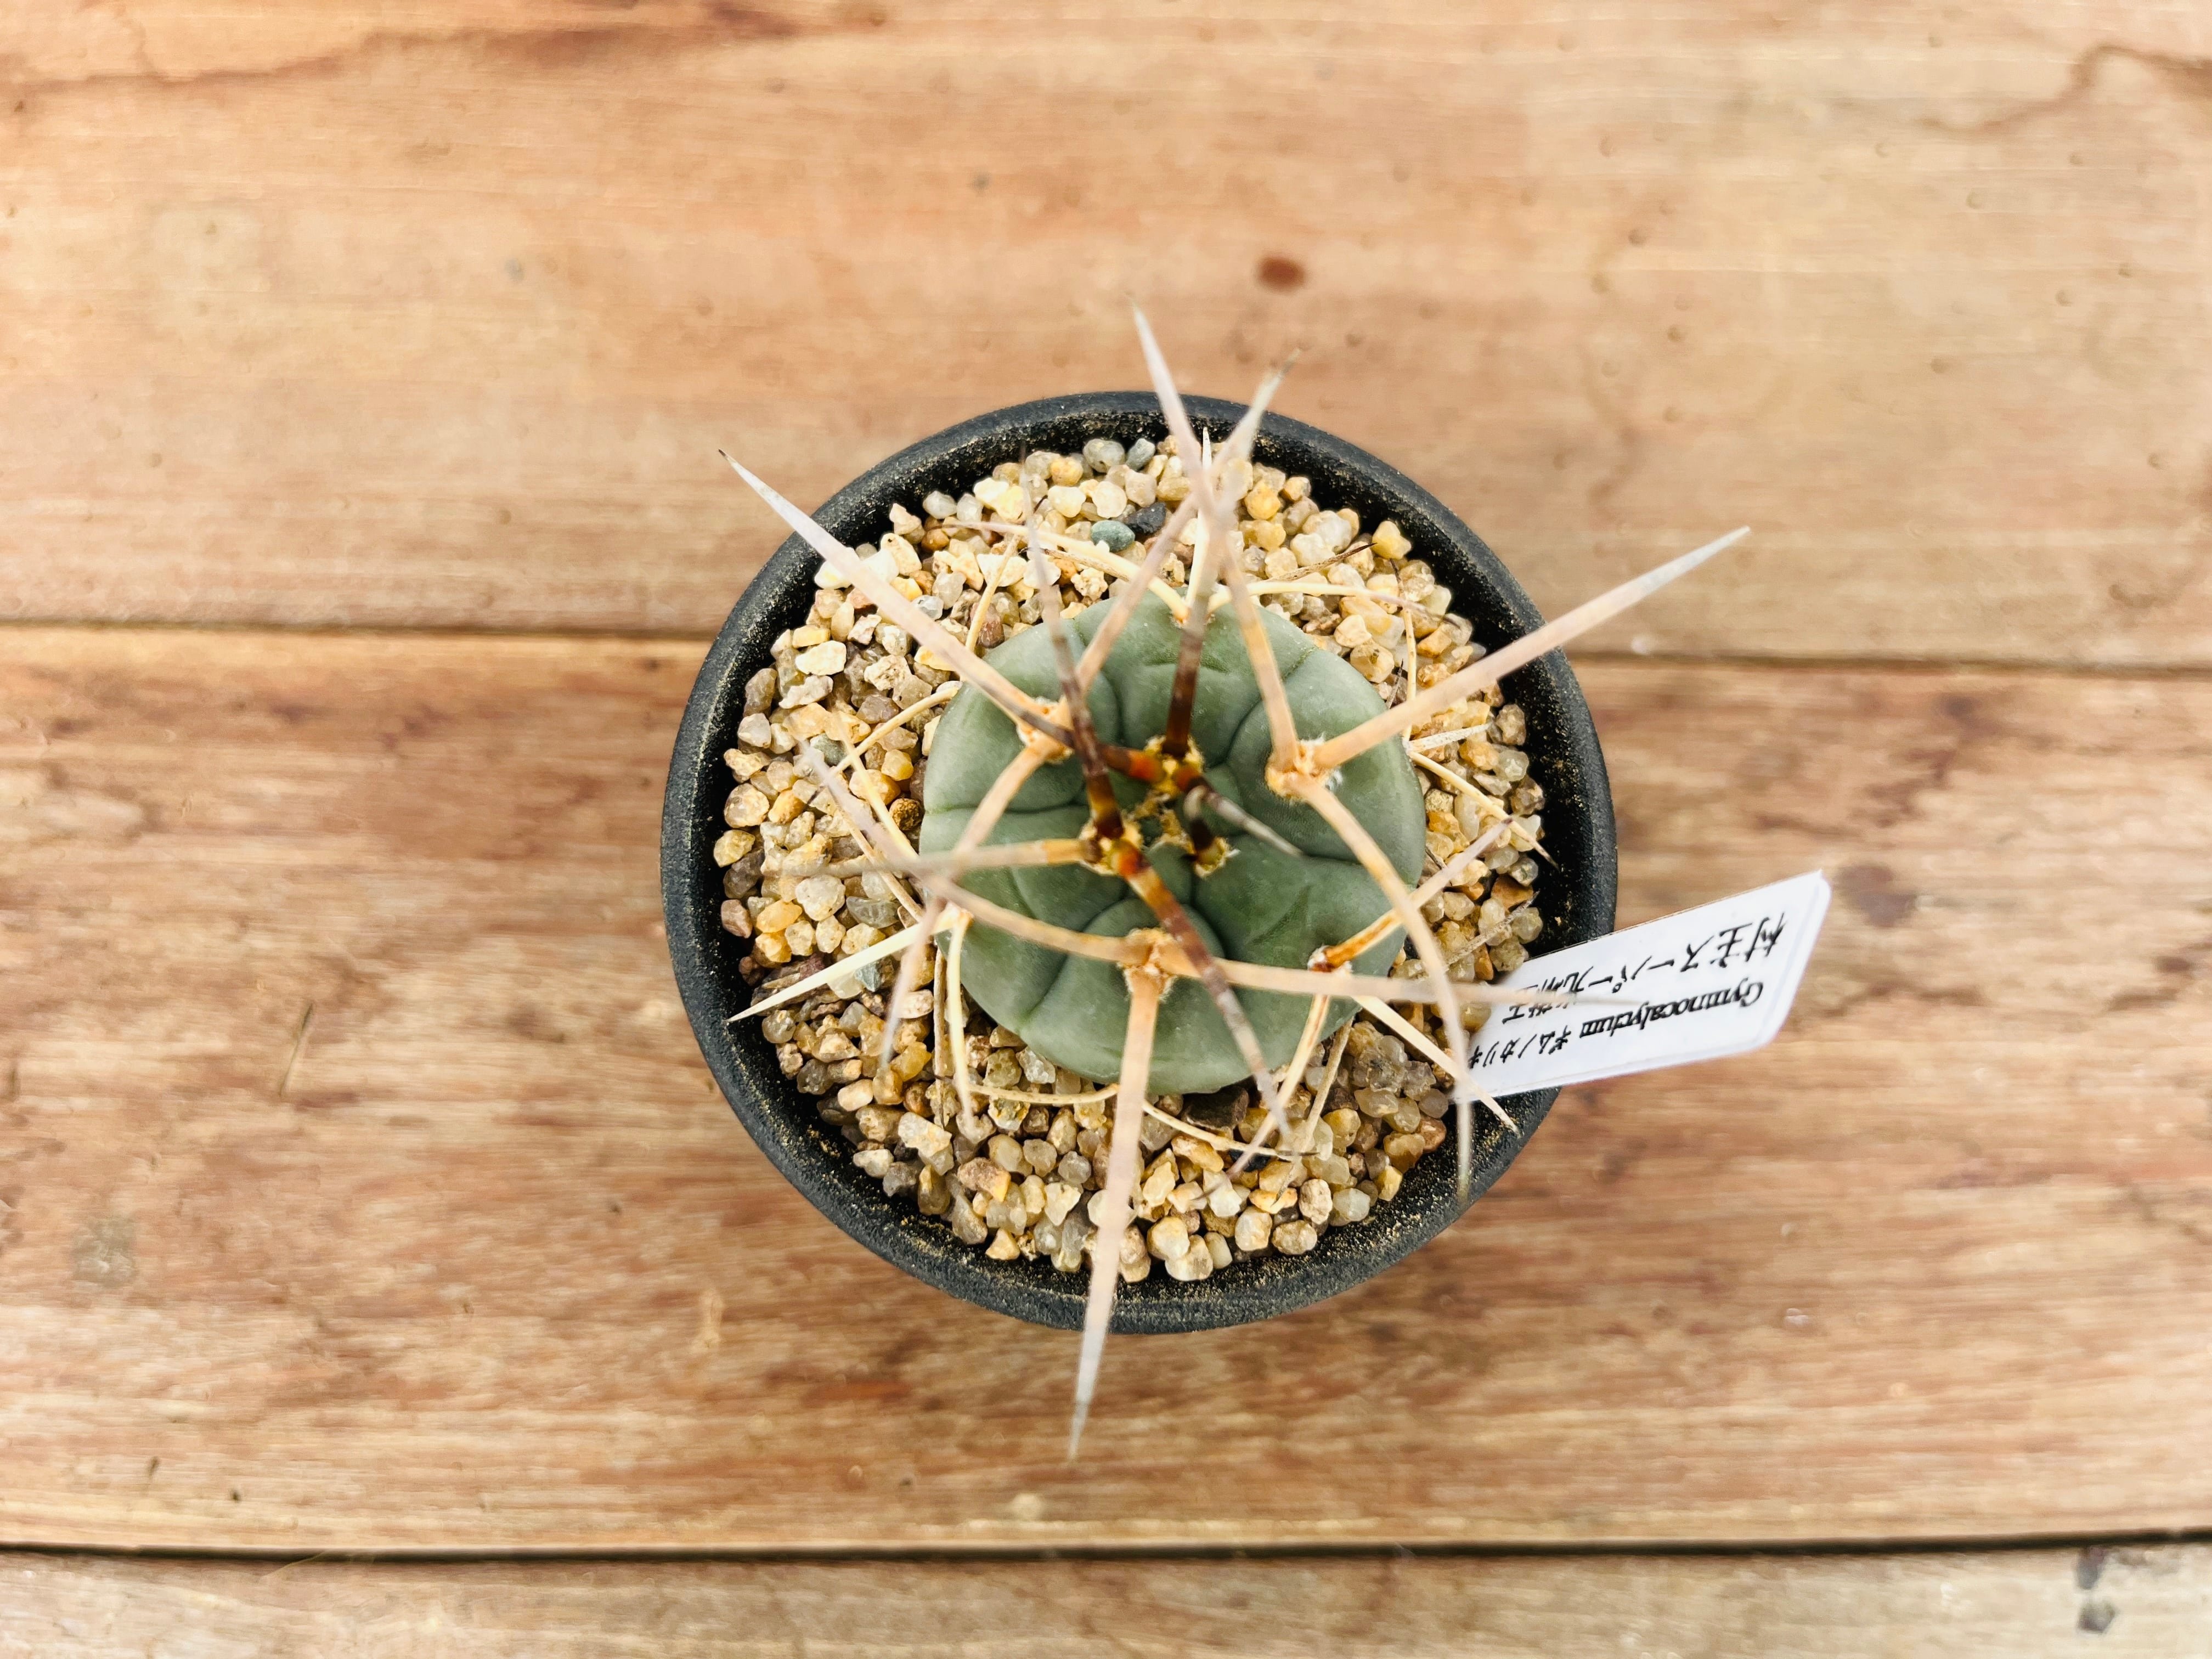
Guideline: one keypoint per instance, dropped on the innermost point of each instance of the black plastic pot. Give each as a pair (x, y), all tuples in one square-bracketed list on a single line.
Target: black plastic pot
[(1577, 896)]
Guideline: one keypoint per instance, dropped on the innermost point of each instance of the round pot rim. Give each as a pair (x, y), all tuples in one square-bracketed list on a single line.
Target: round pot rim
[(815, 1160)]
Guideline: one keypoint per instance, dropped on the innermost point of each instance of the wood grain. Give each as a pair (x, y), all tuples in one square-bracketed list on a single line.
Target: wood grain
[(364, 1188), (2140, 1603), (352, 313)]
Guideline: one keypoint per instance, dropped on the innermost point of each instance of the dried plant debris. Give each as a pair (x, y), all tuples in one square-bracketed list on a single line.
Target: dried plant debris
[(1173, 1081)]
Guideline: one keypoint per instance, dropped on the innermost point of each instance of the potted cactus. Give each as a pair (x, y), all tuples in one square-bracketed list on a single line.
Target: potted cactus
[(1084, 886)]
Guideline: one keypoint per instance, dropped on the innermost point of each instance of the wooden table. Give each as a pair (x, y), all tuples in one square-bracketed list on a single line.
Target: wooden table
[(361, 1191)]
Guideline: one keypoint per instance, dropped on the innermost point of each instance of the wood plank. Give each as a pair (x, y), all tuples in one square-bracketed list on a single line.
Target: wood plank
[(2013, 1604), (365, 1188), (343, 312)]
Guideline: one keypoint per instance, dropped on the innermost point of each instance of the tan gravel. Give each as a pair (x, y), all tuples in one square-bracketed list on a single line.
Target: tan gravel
[(1019, 1175)]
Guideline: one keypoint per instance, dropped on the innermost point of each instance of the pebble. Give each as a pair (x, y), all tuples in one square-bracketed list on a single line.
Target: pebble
[(1191, 1265), (1193, 1151), (1314, 1200), (1170, 1238), (1403, 1150), (1113, 535), (982, 1175), (826, 658), (820, 896), (1159, 1181), (924, 1136)]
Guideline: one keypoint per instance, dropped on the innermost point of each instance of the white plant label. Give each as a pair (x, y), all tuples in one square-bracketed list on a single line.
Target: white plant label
[(1709, 982)]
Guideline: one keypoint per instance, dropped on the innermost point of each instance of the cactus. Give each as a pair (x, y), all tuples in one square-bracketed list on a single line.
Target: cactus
[(1251, 896), (1203, 797)]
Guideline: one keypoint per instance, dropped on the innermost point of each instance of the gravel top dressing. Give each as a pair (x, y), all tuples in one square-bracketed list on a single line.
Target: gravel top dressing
[(1015, 1161)]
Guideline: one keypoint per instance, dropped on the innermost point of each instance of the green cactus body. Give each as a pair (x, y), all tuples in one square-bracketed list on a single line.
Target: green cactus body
[(1263, 906)]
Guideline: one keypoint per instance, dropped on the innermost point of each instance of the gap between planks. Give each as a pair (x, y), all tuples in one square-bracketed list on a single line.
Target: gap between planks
[(2053, 668), (986, 1551)]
